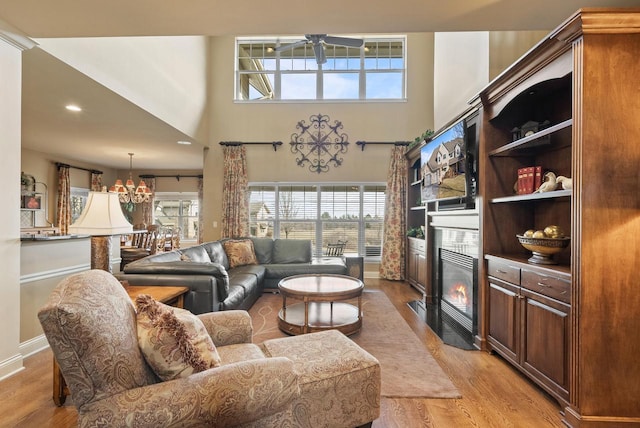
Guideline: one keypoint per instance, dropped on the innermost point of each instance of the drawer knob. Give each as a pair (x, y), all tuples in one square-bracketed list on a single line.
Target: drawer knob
[(501, 271), (544, 285)]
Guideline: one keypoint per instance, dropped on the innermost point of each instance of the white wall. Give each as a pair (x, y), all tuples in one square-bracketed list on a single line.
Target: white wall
[(368, 121), (166, 76), (10, 106)]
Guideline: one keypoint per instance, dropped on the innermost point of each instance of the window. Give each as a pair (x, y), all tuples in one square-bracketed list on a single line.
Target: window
[(323, 213), (78, 197), (177, 211), (374, 71)]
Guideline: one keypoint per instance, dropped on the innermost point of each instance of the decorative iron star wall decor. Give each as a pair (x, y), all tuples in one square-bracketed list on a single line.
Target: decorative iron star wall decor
[(317, 141)]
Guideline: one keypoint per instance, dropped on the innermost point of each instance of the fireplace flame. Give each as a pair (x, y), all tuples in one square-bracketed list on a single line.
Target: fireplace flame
[(458, 294)]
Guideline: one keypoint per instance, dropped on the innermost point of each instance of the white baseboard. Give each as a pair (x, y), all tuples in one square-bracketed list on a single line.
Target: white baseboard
[(11, 366), (34, 345)]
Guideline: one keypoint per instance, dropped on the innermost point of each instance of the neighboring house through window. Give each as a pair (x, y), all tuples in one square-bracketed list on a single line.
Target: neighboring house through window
[(375, 71), (177, 211)]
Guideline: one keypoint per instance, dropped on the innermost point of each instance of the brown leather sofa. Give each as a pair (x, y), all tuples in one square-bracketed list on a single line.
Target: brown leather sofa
[(214, 286)]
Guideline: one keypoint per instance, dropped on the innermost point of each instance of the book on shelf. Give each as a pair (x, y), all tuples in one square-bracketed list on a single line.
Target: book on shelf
[(529, 179)]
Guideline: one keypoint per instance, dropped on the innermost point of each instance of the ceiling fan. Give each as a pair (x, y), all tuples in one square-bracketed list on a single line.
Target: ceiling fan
[(319, 41)]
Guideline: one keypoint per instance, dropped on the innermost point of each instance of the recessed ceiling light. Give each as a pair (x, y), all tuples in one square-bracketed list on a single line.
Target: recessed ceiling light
[(184, 143), (73, 107)]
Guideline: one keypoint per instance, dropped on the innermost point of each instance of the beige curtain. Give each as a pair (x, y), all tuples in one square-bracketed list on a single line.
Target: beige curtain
[(96, 181), (147, 207), (392, 264), (63, 211), (200, 211), (235, 203)]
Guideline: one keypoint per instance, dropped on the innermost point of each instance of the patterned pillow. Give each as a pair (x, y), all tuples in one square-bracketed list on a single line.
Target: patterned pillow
[(174, 342), (240, 252)]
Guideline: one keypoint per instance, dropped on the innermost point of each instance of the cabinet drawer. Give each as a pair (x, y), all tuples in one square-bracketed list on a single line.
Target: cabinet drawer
[(417, 245), (550, 286), (504, 272)]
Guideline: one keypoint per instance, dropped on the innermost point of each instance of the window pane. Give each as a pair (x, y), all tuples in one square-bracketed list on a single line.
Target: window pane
[(340, 202), (296, 74), (373, 199), (255, 86), (373, 238), (298, 230), (343, 231), (384, 85), (298, 202), (298, 86), (340, 86), (262, 210)]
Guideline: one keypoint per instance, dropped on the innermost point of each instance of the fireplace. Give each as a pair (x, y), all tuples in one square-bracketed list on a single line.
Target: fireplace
[(450, 301), (458, 284)]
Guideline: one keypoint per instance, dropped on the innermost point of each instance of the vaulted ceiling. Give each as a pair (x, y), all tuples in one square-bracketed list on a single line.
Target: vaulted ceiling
[(120, 120)]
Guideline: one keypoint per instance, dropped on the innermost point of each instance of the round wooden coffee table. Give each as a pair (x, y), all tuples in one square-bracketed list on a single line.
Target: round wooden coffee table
[(323, 305)]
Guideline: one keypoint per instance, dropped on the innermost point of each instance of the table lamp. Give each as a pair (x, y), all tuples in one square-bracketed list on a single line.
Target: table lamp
[(101, 218)]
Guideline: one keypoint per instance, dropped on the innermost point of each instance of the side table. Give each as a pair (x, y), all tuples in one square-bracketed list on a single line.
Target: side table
[(172, 296)]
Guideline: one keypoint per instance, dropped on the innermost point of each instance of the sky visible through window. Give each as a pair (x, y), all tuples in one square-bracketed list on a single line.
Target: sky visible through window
[(376, 72)]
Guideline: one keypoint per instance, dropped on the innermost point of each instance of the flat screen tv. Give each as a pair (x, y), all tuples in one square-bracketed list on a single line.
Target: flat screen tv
[(444, 163)]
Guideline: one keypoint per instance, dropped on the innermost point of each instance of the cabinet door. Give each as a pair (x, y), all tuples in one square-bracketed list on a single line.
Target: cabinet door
[(421, 269), (411, 264), (545, 345), (503, 318)]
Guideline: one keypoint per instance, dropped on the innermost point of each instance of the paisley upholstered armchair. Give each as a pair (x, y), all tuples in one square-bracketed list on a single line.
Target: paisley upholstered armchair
[(90, 324)]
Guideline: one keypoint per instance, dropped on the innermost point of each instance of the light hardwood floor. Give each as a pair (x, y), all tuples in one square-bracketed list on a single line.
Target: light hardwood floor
[(493, 393)]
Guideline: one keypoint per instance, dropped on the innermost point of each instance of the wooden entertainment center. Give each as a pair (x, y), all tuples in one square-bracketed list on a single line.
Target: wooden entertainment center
[(571, 327)]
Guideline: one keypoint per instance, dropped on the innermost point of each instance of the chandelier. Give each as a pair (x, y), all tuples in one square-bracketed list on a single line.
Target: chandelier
[(129, 193)]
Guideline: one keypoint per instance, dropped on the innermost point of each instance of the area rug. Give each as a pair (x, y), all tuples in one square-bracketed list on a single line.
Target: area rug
[(408, 369)]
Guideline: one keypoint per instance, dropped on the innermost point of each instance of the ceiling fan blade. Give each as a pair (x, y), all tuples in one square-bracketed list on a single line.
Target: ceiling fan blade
[(318, 50), (343, 41), (291, 46)]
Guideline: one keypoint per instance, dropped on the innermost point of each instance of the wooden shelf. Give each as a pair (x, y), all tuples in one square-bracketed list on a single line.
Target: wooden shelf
[(533, 196), (531, 140)]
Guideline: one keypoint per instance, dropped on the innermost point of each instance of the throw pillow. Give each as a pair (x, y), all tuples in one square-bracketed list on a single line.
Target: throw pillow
[(174, 342), (240, 252)]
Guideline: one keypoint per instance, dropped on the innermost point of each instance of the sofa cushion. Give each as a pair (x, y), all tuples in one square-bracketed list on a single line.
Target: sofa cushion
[(234, 299), (248, 282), (240, 252), (291, 251), (264, 250), (216, 252), (196, 254), (174, 342), (257, 270), (283, 270)]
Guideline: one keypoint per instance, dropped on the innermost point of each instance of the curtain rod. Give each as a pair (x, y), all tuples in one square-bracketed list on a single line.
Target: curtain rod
[(64, 165), (275, 144), (395, 143), (177, 176)]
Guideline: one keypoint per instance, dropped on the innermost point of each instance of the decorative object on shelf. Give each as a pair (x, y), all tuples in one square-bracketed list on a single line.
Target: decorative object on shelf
[(425, 136), (543, 249), (31, 202), (416, 232), (528, 128), (565, 182), (129, 193), (101, 218), (27, 182), (549, 185), (529, 179), (317, 140)]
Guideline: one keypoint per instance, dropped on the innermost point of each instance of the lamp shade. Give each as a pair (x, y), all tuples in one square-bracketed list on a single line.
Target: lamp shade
[(102, 216)]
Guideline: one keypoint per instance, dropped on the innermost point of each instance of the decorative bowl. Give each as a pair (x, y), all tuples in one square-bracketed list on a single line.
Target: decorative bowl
[(543, 248)]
